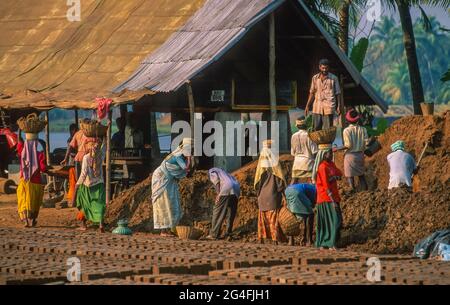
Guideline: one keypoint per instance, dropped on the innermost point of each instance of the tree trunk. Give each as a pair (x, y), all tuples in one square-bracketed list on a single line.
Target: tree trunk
[(411, 55), (344, 18)]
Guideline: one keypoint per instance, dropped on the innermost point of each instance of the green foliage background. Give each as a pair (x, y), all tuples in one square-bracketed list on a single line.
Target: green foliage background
[(386, 67)]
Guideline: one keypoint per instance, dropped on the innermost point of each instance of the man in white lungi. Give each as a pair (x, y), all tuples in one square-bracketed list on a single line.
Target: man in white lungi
[(355, 140), (304, 150)]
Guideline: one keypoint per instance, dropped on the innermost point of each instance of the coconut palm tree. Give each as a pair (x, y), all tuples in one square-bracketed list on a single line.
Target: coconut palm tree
[(403, 8)]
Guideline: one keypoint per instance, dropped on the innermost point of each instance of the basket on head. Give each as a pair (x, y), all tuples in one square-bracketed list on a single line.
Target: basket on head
[(93, 129), (288, 222), (324, 136), (31, 123), (187, 232)]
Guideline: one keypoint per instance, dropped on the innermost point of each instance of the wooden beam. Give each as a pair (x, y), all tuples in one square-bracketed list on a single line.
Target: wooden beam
[(47, 139), (341, 105), (349, 86), (233, 91), (301, 37), (76, 117), (272, 85), (108, 161), (191, 106)]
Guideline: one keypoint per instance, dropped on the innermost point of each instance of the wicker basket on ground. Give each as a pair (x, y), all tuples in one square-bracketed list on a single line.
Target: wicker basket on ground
[(187, 232), (324, 136), (288, 222), (93, 129), (31, 124)]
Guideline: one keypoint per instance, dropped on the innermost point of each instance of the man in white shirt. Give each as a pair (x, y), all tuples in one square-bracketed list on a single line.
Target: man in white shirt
[(134, 137), (304, 150), (401, 166), (355, 139)]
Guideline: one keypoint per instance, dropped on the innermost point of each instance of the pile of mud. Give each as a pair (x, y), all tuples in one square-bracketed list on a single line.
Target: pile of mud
[(375, 221)]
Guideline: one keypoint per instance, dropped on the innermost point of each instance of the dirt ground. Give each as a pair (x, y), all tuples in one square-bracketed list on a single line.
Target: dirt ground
[(376, 221), (48, 217)]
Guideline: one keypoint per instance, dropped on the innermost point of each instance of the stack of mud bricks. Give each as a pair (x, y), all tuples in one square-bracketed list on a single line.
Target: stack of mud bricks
[(40, 256)]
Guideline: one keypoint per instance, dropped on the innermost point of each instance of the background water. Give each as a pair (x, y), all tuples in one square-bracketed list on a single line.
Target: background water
[(59, 140)]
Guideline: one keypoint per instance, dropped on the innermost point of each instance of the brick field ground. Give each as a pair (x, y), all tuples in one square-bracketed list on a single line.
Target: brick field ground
[(39, 256)]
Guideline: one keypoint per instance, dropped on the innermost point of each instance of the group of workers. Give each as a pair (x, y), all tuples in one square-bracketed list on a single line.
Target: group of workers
[(312, 196)]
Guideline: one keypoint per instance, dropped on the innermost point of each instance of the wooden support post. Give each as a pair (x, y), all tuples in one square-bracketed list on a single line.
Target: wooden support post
[(76, 117), (108, 161), (341, 105), (47, 139), (233, 91), (191, 107), (272, 86)]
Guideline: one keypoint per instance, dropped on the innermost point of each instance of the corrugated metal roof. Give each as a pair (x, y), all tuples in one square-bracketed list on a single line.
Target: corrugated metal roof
[(217, 26), (213, 30)]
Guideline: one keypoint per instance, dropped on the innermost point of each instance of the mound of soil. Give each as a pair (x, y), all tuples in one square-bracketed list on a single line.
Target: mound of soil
[(375, 221)]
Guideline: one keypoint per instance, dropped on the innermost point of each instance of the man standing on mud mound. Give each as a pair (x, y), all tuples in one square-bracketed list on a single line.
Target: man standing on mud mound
[(401, 166), (304, 151), (228, 191), (355, 140), (324, 91)]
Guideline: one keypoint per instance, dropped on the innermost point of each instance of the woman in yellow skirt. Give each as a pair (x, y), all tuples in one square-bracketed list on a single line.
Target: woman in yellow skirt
[(30, 191)]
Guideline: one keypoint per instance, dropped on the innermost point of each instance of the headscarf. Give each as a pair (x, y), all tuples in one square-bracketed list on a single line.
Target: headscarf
[(323, 149), (300, 122), (268, 161), (29, 159), (352, 116), (226, 180), (184, 148), (399, 145)]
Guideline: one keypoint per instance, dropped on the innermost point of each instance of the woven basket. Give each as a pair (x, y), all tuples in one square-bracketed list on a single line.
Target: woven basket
[(324, 136), (186, 232), (288, 222), (31, 123), (93, 129)]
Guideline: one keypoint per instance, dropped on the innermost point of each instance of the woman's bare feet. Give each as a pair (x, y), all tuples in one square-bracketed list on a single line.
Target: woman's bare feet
[(25, 224), (33, 223)]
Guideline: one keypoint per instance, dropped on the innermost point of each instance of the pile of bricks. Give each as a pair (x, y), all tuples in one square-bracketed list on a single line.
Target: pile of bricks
[(40, 256)]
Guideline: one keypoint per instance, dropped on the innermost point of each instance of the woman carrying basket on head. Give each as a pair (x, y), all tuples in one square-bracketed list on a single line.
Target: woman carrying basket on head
[(30, 191), (329, 216), (89, 194)]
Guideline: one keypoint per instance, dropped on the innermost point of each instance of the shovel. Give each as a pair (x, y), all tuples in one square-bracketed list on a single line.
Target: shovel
[(416, 179)]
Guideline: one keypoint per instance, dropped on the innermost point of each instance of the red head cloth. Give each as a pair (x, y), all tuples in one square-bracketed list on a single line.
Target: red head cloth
[(102, 107), (352, 116)]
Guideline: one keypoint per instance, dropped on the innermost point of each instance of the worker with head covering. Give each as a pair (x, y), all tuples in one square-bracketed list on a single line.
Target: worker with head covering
[(401, 166), (228, 190), (300, 200), (30, 191), (165, 193), (269, 185), (329, 216), (304, 150), (355, 140)]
